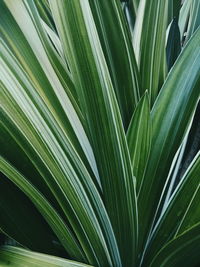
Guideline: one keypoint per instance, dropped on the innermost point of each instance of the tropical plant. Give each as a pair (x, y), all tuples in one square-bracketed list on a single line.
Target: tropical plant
[(97, 101)]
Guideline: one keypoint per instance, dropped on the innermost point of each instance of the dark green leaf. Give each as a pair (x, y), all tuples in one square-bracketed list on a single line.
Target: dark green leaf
[(18, 215), (173, 48), (182, 251), (181, 212)]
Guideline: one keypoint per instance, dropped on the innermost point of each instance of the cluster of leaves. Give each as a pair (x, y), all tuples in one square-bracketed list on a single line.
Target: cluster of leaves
[(96, 103)]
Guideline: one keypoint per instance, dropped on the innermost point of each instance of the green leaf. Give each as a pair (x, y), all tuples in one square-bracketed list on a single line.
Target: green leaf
[(55, 93), (181, 251), (99, 105), (139, 138), (183, 17), (17, 257), (54, 38), (56, 223), (173, 48), (173, 9), (194, 19), (60, 166), (57, 160), (45, 13), (149, 44), (181, 212), (130, 15), (118, 51), (171, 115), (133, 5)]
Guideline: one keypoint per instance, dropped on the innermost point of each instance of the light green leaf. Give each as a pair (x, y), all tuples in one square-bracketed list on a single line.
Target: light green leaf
[(54, 38), (194, 19), (183, 17), (57, 160), (60, 166), (139, 138), (18, 257), (99, 105), (54, 88), (171, 115), (149, 44)]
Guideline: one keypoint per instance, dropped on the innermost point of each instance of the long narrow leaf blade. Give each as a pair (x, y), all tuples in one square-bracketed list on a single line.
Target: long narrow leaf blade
[(26, 48), (173, 48), (170, 116), (96, 94), (182, 211), (194, 19), (139, 138), (149, 44), (62, 231), (118, 50), (183, 18), (18, 215), (182, 251), (18, 257)]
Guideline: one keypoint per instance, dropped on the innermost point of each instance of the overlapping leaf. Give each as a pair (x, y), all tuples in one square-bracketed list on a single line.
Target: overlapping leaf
[(149, 44), (91, 77), (182, 211), (56, 223), (170, 116), (118, 50), (56, 93), (181, 251)]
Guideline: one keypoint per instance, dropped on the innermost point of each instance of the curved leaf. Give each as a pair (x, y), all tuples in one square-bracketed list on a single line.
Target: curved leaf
[(62, 231), (182, 251), (182, 211), (18, 215), (17, 257), (27, 45), (99, 105), (171, 115)]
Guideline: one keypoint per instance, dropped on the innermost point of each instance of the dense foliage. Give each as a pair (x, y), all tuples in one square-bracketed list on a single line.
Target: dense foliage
[(97, 100)]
